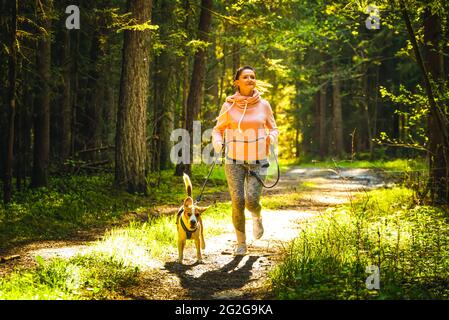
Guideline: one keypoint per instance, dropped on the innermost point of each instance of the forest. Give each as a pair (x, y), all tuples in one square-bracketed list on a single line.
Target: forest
[(93, 91)]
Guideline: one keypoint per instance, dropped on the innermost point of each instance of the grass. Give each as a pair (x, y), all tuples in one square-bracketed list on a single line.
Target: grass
[(74, 203), (67, 205), (409, 244), (111, 264), (92, 276), (327, 261), (139, 242), (401, 165)]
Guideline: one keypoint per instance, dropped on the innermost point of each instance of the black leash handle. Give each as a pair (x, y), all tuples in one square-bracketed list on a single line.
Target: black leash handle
[(255, 174)]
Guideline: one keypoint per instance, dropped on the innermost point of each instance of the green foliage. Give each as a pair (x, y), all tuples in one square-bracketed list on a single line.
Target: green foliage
[(72, 203), (407, 242), (112, 263), (68, 204), (81, 277), (399, 165), (413, 112)]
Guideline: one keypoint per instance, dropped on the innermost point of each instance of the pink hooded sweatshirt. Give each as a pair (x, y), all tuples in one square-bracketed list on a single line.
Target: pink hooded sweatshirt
[(248, 124)]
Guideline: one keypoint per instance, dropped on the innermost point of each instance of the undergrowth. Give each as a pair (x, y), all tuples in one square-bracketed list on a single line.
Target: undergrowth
[(406, 242)]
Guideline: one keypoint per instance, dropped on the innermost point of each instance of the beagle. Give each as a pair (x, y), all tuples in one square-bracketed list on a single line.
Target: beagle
[(189, 223)]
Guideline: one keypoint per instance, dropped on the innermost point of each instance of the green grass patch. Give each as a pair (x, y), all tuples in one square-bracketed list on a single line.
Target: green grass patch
[(138, 242), (282, 201), (111, 264), (73, 203), (67, 205), (81, 277), (408, 243), (401, 165), (308, 185)]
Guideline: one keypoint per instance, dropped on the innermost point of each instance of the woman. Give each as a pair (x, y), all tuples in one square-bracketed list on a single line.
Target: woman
[(244, 121)]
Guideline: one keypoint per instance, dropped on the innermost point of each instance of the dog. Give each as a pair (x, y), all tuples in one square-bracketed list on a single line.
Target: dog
[(189, 223)]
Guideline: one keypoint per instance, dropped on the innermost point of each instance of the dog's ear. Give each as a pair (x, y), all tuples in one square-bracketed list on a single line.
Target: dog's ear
[(188, 202), (201, 209)]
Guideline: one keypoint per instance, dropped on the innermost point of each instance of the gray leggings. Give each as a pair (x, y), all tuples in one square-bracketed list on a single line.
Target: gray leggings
[(243, 195)]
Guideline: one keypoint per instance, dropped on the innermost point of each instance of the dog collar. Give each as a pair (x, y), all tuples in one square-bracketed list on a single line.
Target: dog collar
[(188, 231)]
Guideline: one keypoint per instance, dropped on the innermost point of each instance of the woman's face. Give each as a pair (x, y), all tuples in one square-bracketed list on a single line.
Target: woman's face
[(246, 81)]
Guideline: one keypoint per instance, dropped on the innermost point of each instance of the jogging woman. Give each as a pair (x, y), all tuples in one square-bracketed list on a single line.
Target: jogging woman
[(245, 127)]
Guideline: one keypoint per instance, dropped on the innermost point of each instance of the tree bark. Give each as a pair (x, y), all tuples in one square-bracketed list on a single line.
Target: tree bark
[(438, 156), (337, 115), (163, 106), (66, 119), (94, 123), (438, 127), (366, 110), (12, 74), (180, 167), (315, 139), (322, 122), (298, 131), (42, 106), (131, 148), (235, 55), (195, 97)]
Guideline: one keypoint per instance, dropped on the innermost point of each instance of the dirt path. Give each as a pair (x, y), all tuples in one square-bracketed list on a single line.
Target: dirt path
[(221, 275)]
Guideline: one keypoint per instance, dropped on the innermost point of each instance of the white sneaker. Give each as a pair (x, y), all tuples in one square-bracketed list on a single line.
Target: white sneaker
[(257, 227), (240, 250)]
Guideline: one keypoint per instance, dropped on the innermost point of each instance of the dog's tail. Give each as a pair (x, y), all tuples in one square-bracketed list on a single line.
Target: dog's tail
[(188, 184)]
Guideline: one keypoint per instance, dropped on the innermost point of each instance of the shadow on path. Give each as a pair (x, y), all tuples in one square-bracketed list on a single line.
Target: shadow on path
[(209, 283)]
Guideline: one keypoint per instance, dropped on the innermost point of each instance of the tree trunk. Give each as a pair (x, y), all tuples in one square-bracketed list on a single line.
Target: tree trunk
[(198, 74), (376, 107), (212, 85), (438, 156), (66, 119), (438, 127), (314, 136), (322, 122), (42, 105), (93, 123), (163, 106), (12, 74), (297, 120), (222, 79), (366, 110), (131, 148), (26, 118), (337, 115), (76, 92), (235, 56), (180, 167)]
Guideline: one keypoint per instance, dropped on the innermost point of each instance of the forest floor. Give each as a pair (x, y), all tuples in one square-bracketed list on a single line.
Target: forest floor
[(222, 275)]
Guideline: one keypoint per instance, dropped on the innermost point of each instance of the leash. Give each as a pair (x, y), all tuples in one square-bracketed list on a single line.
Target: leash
[(198, 199), (266, 165), (252, 172), (255, 174)]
